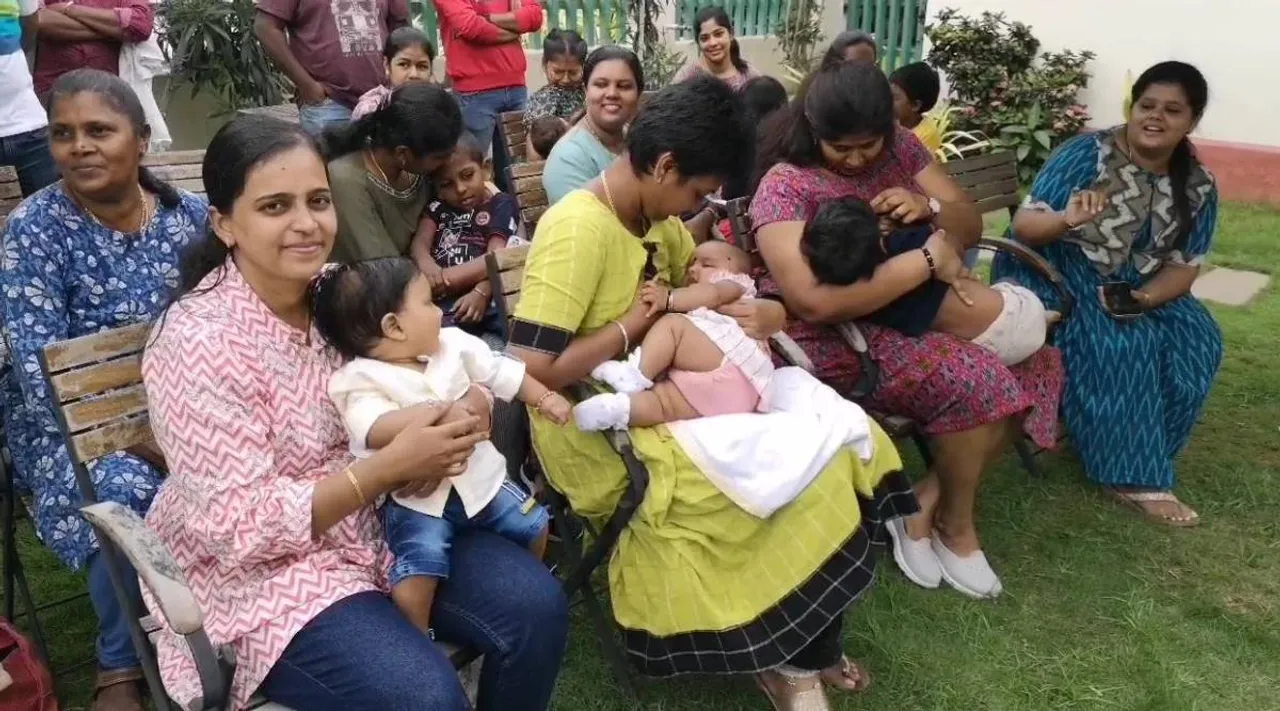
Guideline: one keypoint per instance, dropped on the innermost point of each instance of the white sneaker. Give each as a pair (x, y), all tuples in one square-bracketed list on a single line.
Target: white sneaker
[(915, 558), (621, 375), (609, 411), (971, 574)]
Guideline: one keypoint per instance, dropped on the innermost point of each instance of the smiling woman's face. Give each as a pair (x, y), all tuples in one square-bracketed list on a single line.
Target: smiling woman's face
[(95, 146), (612, 95), (714, 41), (282, 226)]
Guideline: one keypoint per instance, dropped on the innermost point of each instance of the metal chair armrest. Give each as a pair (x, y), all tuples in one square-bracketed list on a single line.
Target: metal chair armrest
[(870, 370), (168, 585), (790, 352), (1038, 264), (628, 503)]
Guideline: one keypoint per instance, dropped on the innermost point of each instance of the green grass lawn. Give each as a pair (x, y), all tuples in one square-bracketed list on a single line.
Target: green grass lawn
[(1101, 610)]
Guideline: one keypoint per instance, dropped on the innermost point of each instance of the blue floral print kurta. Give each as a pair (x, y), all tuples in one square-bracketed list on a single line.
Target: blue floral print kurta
[(64, 275)]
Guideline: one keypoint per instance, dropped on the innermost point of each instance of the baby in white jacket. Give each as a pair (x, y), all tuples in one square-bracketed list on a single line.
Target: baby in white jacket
[(379, 314)]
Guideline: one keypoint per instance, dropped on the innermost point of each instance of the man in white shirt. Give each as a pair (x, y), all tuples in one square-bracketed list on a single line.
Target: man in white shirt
[(24, 142)]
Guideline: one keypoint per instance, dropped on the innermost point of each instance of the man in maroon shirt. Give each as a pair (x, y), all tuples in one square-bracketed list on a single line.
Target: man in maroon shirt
[(87, 33), (330, 49)]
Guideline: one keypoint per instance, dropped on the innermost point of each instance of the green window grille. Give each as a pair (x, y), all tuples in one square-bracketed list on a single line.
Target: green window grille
[(897, 25)]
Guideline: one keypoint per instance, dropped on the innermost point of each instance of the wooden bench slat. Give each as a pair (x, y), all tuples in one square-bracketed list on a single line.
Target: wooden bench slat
[(531, 215), (194, 184), (511, 300), (96, 411), (511, 279), (182, 171), (79, 382), (528, 184), (8, 174), (999, 202), (173, 158), (11, 189), (96, 347), (994, 174), (511, 258), (525, 170), (989, 190), (986, 160), (533, 197), (114, 437)]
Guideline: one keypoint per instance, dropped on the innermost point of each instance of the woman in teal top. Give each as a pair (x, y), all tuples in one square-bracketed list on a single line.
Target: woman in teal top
[(614, 81)]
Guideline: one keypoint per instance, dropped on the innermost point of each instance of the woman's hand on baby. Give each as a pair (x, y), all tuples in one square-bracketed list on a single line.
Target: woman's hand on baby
[(902, 205), (555, 408), (429, 449), (948, 265), (759, 318), (470, 307), (655, 296)]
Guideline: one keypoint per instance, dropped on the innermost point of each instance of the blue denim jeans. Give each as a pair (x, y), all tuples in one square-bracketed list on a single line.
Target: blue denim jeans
[(115, 646), (317, 117), (480, 112), (361, 654), (421, 543), (28, 153)]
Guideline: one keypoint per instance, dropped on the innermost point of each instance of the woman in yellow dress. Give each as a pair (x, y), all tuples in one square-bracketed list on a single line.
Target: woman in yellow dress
[(698, 584)]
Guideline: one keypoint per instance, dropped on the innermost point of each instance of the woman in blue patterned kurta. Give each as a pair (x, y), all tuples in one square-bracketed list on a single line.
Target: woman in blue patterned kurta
[(1131, 204), (97, 250)]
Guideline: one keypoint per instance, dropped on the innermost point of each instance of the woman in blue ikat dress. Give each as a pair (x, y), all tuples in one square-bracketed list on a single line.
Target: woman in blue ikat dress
[(97, 250)]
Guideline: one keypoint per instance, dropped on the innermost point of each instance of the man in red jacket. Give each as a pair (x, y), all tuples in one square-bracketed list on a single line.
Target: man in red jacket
[(486, 62)]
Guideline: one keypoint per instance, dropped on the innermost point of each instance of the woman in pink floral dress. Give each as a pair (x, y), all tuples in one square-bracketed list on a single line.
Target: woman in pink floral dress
[(265, 509), (837, 139)]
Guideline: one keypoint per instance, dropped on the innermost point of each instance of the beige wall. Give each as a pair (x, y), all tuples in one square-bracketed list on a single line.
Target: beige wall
[(1231, 41)]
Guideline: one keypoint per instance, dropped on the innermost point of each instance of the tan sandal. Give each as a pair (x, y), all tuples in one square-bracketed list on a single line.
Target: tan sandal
[(794, 693), (1140, 501), (118, 690), (847, 675)]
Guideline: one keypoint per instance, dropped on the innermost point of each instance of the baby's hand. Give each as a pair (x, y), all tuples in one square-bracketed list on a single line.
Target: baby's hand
[(555, 408), (655, 295), (458, 411)]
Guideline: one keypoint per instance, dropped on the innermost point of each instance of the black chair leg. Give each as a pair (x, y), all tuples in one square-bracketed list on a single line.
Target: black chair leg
[(609, 642), (1028, 457), (141, 645), (922, 444)]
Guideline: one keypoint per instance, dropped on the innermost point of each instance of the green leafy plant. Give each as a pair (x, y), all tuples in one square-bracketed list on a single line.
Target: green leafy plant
[(1003, 87), (799, 34), (210, 45), (659, 61), (956, 143)]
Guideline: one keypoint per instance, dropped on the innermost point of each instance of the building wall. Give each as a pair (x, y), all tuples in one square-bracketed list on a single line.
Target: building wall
[(1232, 42)]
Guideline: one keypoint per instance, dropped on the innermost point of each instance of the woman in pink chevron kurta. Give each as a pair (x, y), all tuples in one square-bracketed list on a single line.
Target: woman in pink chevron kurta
[(265, 509)]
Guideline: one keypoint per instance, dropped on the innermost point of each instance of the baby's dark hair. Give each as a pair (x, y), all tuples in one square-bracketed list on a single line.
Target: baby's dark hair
[(349, 301), (546, 132), (841, 242)]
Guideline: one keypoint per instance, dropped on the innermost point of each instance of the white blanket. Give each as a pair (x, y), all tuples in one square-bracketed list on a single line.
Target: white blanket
[(763, 461)]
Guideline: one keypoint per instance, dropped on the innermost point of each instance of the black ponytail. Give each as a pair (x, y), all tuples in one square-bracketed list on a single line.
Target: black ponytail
[(735, 56), (1183, 160), (121, 97), (419, 116)]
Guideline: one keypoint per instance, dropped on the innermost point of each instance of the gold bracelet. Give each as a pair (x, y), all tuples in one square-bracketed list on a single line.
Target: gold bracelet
[(538, 405), (355, 484), (626, 338)]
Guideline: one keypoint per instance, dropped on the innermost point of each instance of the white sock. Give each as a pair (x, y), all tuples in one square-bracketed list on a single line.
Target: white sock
[(603, 412), (623, 376)]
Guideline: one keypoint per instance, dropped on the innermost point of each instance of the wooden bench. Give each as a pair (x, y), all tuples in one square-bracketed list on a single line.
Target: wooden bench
[(178, 168), (990, 180), (513, 136), (525, 180), (101, 408)]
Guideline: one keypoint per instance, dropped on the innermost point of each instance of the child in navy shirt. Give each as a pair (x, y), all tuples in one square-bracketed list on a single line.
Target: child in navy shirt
[(466, 219)]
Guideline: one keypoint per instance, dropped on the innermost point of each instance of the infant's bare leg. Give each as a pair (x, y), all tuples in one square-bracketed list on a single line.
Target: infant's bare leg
[(414, 596), (674, 342), (664, 403)]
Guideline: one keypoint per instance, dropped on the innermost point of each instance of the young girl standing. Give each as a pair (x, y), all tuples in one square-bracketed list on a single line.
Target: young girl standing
[(409, 54)]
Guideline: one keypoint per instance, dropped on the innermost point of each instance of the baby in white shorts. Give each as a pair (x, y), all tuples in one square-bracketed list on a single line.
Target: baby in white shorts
[(843, 243)]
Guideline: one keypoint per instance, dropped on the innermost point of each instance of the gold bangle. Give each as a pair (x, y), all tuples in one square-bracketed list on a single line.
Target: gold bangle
[(538, 405), (355, 484), (626, 338)]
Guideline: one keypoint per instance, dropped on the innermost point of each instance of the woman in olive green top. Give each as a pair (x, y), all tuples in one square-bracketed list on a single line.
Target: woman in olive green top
[(379, 165)]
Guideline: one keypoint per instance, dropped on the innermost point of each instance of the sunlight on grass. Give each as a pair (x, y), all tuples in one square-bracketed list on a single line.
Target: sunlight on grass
[(1101, 610)]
